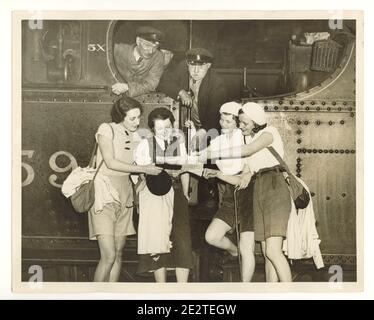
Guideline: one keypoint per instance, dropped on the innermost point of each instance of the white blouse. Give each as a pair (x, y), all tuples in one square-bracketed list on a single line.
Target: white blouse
[(224, 141), (263, 158)]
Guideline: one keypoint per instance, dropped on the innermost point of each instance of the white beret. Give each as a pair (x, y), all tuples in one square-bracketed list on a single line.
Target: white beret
[(255, 112), (230, 108)]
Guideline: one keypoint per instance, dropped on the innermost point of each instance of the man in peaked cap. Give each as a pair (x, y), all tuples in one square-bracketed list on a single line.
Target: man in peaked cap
[(140, 64), (197, 86)]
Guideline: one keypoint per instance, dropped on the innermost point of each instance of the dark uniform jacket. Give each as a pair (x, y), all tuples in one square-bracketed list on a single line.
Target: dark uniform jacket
[(212, 92)]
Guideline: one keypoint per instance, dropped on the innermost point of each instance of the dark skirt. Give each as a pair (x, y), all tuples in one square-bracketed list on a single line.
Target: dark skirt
[(180, 255)]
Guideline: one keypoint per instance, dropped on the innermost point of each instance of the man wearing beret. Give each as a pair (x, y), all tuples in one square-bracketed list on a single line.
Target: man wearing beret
[(207, 90), (140, 64)]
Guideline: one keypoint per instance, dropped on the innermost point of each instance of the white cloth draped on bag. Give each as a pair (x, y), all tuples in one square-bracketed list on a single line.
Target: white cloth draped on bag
[(302, 240), (104, 193), (78, 177)]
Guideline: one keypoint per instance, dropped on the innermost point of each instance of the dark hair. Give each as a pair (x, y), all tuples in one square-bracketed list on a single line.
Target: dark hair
[(161, 114), (257, 127), (122, 106)]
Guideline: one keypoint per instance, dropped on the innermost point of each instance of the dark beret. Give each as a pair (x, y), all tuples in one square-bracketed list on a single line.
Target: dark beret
[(150, 34), (159, 185), (199, 55)]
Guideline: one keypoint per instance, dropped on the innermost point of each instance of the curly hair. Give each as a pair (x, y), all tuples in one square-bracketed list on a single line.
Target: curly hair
[(122, 106)]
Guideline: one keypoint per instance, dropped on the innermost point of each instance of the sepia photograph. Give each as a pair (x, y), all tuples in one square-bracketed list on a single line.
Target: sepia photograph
[(187, 152)]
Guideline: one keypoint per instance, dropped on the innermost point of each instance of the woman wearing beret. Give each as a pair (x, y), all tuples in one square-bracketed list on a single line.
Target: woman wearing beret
[(164, 235), (110, 218), (237, 187), (271, 196)]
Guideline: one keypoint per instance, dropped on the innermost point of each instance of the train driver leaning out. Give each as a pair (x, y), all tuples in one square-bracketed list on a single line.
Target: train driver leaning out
[(140, 64)]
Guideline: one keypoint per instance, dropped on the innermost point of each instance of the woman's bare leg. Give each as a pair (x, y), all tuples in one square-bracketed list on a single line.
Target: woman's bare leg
[(270, 273), (247, 252), (215, 236), (182, 274), (275, 254), (107, 258), (160, 275), (119, 243)]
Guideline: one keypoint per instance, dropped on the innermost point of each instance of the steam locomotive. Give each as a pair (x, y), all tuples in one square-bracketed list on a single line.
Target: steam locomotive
[(308, 91)]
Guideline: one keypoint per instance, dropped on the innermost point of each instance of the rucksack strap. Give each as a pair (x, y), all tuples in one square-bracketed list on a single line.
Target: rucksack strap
[(95, 149), (279, 158)]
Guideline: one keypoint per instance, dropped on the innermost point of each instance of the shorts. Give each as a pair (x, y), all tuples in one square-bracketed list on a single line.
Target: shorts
[(221, 186), (271, 205), (244, 198), (115, 219)]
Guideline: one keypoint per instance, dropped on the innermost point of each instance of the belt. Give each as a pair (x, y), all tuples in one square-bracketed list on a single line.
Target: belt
[(276, 168)]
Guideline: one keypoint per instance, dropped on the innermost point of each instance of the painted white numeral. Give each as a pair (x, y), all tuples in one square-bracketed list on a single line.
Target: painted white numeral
[(29, 170), (52, 163), (91, 47)]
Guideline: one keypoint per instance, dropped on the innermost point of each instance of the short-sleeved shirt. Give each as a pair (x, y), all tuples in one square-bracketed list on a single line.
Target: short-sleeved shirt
[(224, 141), (124, 145), (263, 158)]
